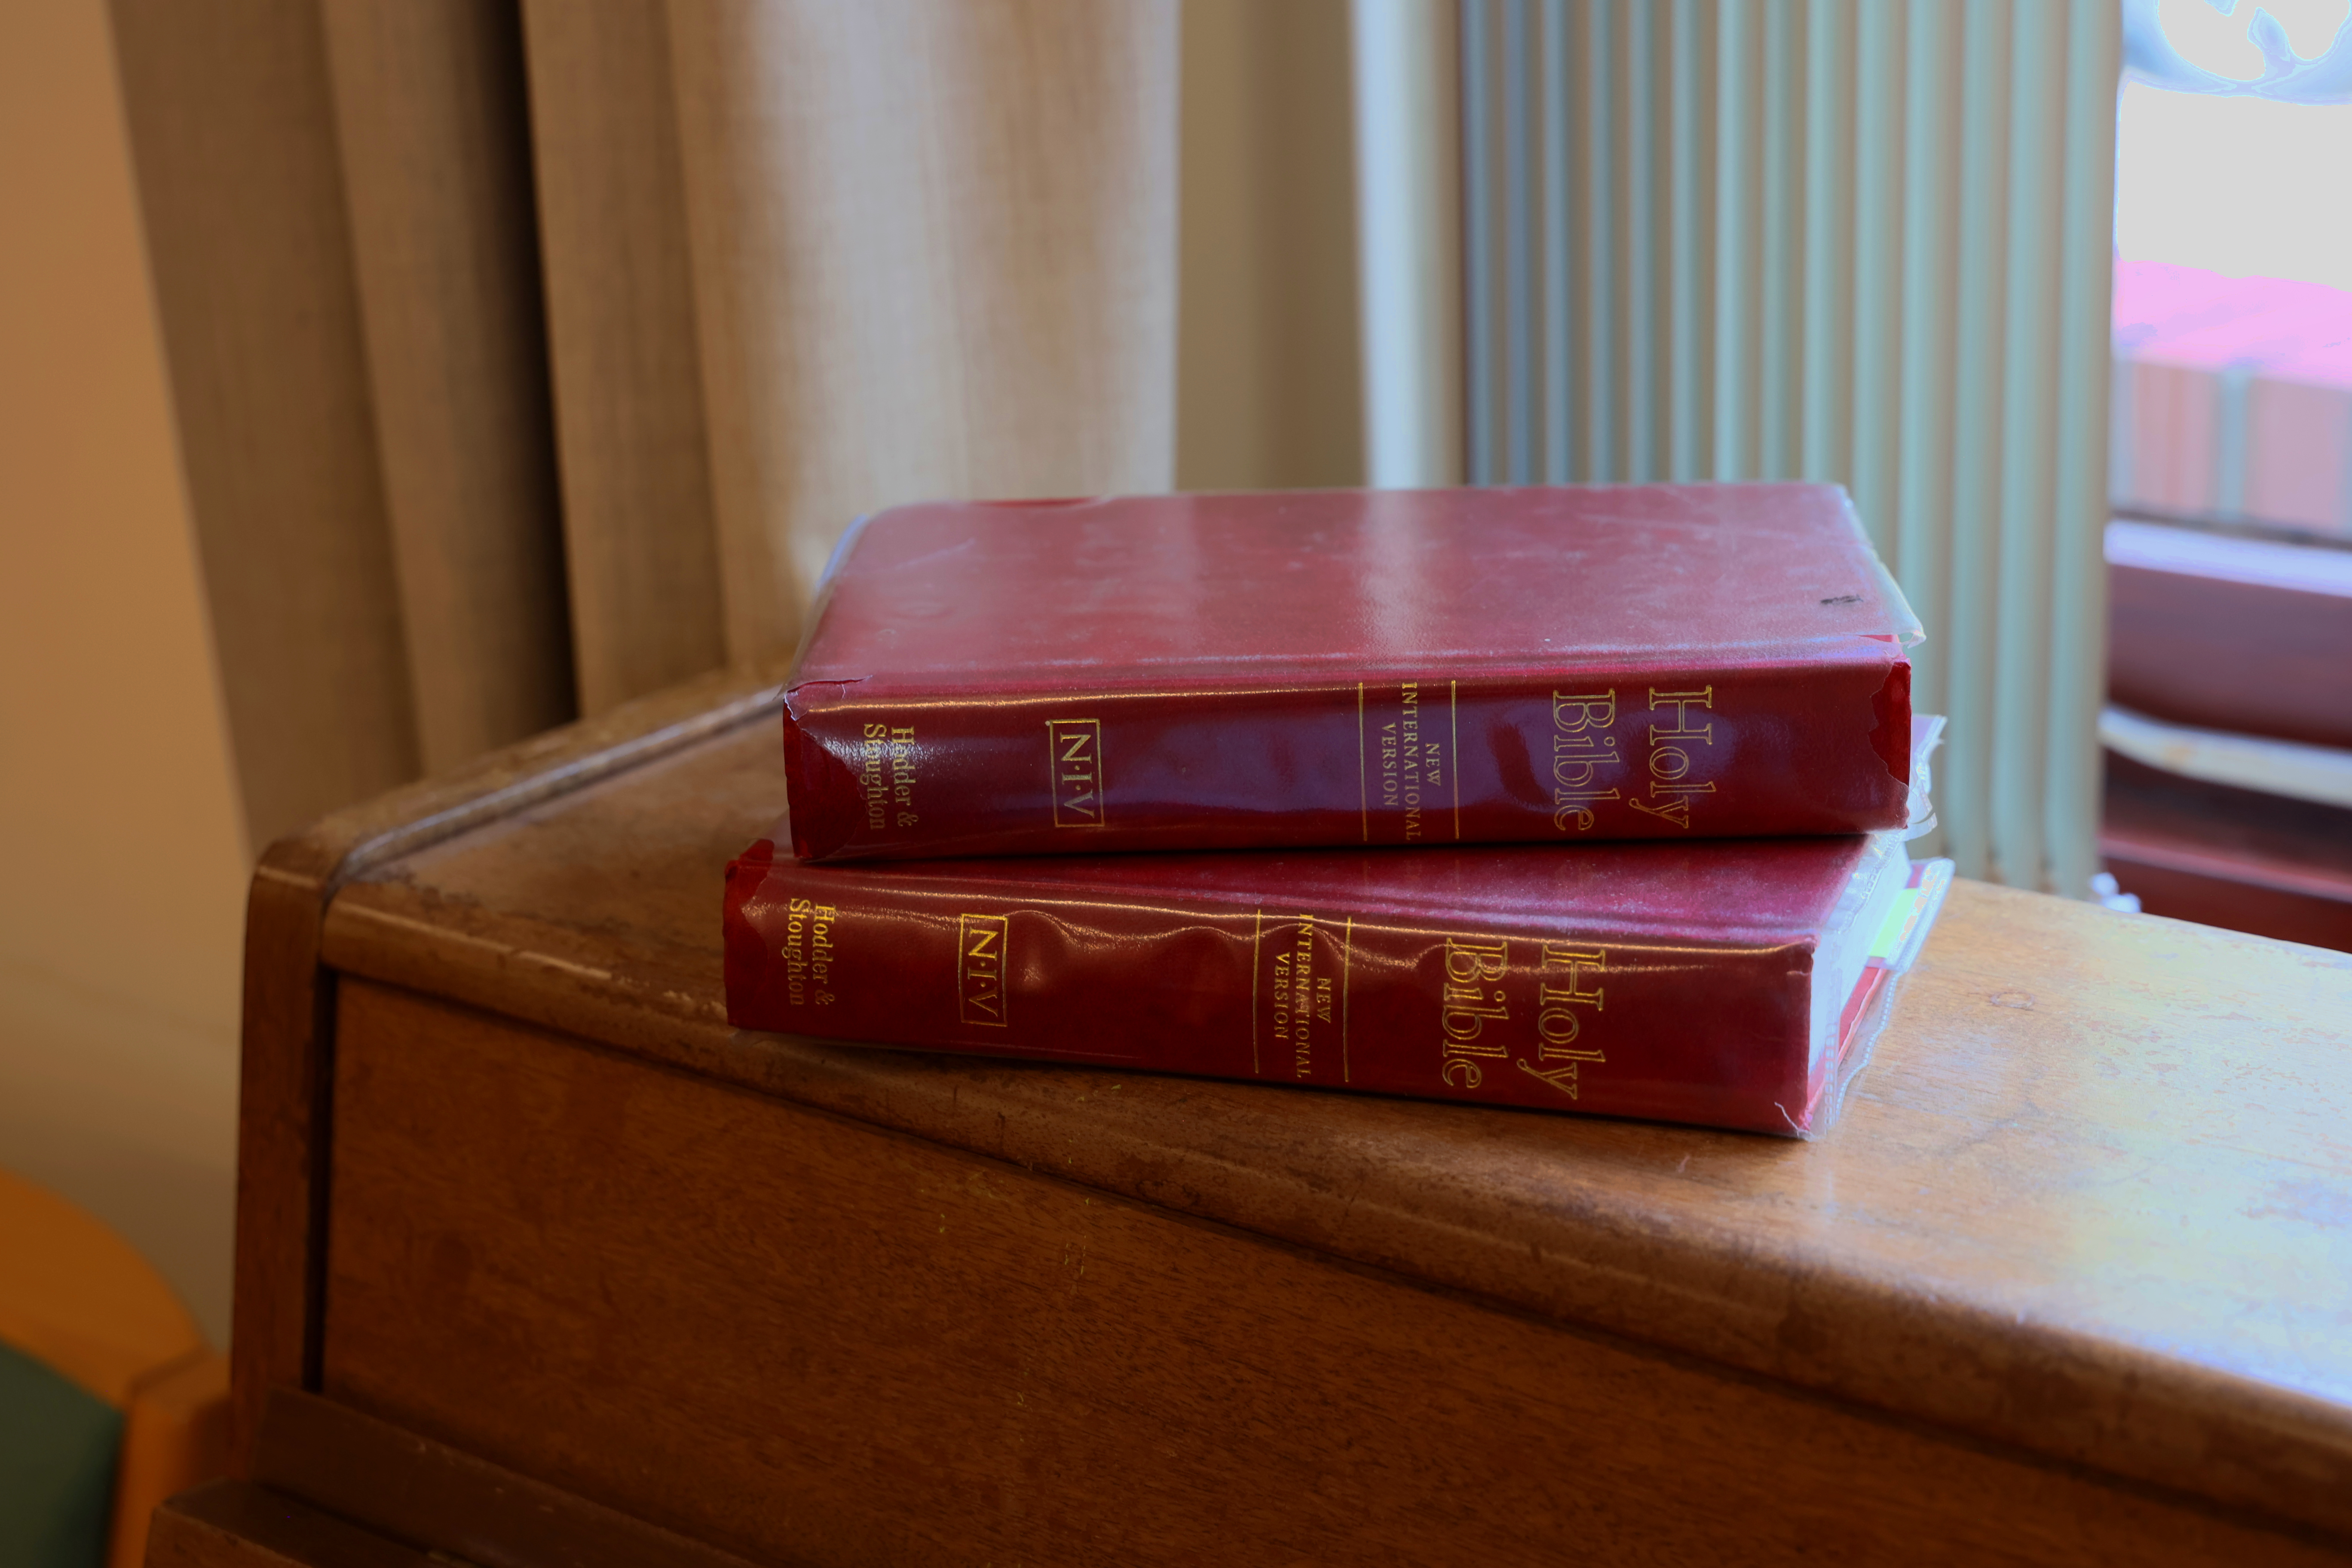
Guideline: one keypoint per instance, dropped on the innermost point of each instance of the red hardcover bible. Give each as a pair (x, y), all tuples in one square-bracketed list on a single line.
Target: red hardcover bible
[(1351, 667), (1733, 984)]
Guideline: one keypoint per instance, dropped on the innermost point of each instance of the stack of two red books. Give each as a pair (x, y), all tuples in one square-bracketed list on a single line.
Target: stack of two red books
[(1585, 798)]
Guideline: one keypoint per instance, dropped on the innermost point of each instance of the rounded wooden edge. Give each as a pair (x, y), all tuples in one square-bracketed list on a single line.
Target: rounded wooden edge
[(288, 1030)]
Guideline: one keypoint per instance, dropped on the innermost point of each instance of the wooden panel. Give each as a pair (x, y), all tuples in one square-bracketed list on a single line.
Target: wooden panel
[(2190, 883), (2226, 857), (435, 135), (287, 1026), (233, 127), (633, 451), (2087, 1201), (234, 1524), (782, 1332), (2224, 654), (410, 1488), (280, 1130)]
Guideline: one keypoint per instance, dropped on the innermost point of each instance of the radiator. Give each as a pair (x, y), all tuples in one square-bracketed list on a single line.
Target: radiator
[(1866, 241)]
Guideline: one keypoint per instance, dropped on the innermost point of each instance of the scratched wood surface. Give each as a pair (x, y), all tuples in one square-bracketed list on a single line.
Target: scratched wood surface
[(287, 1032), (2094, 1199), (805, 1338)]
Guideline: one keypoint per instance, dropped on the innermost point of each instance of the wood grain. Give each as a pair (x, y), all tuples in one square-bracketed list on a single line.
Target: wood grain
[(2261, 660), (2191, 881), (234, 1525), (2091, 1200), (789, 1334), (2226, 856), (281, 1127), (289, 1027), (411, 1489)]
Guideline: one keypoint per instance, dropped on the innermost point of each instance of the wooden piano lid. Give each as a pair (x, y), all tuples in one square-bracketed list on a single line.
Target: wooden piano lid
[(2093, 1197)]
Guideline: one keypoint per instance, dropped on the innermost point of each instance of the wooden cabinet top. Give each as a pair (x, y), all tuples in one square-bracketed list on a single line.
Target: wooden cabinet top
[(2093, 1197)]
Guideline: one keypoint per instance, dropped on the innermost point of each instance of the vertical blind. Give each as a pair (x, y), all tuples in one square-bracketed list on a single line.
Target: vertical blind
[(528, 357), (1866, 241)]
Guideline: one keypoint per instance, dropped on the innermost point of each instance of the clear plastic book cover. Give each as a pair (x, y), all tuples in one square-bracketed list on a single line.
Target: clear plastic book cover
[(1894, 903), (1869, 941)]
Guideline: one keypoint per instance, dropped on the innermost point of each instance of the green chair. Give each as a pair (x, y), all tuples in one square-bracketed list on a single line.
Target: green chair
[(110, 1399)]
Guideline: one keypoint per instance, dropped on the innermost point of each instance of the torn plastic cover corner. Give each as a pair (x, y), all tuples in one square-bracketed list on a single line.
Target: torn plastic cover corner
[(1919, 817)]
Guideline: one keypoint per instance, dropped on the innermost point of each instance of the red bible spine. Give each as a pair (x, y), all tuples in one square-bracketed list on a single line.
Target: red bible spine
[(1484, 1005), (1771, 749)]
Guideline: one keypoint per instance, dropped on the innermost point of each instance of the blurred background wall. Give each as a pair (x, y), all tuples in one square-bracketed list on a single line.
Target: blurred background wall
[(122, 852), (313, 174)]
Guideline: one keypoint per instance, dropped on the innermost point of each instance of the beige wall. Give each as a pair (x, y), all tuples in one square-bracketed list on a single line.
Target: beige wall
[(122, 863)]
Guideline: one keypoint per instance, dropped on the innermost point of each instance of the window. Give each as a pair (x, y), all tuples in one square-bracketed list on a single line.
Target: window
[(2229, 795)]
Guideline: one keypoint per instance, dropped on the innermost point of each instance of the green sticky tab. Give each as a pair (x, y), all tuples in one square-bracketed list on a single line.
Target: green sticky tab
[(1901, 916)]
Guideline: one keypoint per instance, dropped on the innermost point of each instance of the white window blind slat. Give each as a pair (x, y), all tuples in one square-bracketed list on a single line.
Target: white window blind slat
[(1856, 240)]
